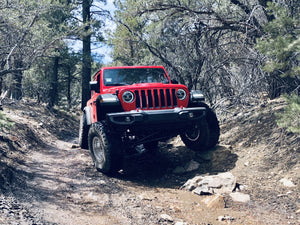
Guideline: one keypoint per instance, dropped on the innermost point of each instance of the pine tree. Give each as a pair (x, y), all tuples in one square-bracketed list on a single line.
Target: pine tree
[(290, 118), (281, 46)]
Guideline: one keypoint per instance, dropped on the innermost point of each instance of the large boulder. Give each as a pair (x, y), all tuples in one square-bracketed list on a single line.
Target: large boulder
[(223, 183)]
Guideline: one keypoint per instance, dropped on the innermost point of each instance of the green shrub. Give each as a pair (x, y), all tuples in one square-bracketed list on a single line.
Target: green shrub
[(290, 118), (4, 122)]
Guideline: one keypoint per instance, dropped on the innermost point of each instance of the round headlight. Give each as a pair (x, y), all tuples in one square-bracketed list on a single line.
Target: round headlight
[(128, 97), (181, 94)]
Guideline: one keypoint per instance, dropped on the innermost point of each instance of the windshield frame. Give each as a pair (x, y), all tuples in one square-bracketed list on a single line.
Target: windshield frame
[(134, 75)]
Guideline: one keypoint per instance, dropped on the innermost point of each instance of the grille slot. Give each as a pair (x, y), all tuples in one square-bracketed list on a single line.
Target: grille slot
[(155, 98)]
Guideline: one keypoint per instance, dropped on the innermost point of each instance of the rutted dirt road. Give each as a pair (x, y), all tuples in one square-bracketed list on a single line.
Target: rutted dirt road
[(55, 183), (62, 187)]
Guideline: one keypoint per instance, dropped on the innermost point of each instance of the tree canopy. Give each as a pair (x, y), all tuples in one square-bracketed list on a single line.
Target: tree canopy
[(35, 58), (212, 45), (232, 50), (29, 29)]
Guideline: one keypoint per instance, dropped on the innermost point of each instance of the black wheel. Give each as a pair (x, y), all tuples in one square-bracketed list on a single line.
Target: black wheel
[(196, 137), (105, 148), (83, 133), (213, 124)]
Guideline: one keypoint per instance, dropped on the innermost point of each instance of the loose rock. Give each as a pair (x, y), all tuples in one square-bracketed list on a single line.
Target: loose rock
[(214, 202), (145, 196), (180, 223), (191, 166), (287, 182), (225, 218), (166, 217), (240, 197)]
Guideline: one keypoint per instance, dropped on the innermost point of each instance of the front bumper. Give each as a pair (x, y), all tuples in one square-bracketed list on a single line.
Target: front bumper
[(179, 116)]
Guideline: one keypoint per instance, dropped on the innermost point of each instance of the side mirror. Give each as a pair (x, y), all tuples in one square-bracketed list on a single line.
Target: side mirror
[(196, 95), (94, 86)]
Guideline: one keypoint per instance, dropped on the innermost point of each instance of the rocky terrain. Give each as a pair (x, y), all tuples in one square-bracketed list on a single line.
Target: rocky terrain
[(251, 177)]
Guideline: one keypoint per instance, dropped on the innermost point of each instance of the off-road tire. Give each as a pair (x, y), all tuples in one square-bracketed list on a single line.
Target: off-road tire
[(213, 124), (213, 127), (196, 137), (105, 148), (83, 133)]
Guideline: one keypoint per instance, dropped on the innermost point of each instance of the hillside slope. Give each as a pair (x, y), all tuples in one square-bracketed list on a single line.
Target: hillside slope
[(267, 155), (27, 127)]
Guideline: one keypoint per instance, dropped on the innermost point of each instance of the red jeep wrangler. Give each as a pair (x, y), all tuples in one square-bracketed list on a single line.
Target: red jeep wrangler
[(133, 107)]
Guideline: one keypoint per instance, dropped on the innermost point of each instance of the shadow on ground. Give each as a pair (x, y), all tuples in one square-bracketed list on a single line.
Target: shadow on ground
[(157, 168)]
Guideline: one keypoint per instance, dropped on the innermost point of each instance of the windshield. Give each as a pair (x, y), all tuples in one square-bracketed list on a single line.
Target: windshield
[(128, 76)]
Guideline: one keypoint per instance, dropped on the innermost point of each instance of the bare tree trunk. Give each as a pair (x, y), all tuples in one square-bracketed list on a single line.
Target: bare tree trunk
[(17, 77), (69, 86), (53, 85), (86, 53)]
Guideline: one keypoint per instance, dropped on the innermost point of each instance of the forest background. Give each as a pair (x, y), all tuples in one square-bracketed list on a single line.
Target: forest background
[(235, 51)]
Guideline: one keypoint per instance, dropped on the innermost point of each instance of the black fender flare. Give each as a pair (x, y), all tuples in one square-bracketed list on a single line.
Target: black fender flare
[(107, 103)]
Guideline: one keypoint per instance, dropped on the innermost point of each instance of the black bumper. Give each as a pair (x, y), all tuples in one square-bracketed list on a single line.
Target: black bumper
[(159, 118)]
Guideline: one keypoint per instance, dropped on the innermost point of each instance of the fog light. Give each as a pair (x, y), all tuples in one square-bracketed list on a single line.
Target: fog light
[(191, 115)]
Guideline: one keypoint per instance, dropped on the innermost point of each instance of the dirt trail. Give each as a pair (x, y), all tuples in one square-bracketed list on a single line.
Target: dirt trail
[(62, 187), (54, 174)]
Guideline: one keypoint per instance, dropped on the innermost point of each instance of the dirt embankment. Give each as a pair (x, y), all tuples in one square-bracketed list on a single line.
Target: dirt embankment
[(46, 179)]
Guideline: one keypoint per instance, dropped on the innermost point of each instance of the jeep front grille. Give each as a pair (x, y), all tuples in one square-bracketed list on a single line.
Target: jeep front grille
[(155, 98)]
